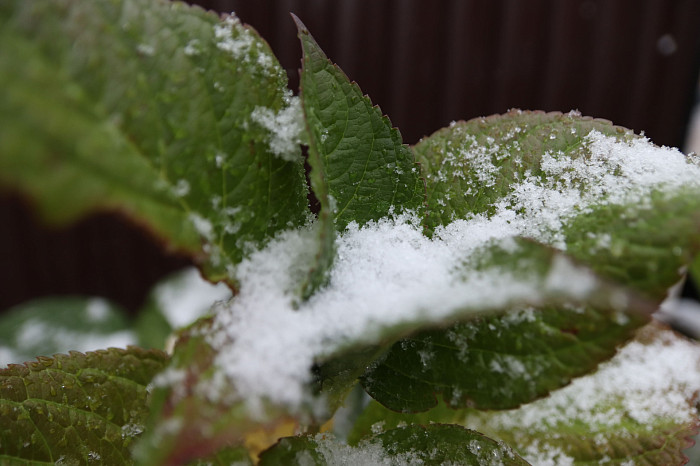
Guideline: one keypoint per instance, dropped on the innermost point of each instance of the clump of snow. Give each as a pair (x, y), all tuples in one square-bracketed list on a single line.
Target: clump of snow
[(187, 296), (546, 455), (181, 188), (202, 225), (285, 128), (146, 49), (205, 229), (131, 431), (373, 452), (233, 37), (367, 453), (559, 278), (220, 158), (97, 310), (385, 273), (192, 48), (647, 383)]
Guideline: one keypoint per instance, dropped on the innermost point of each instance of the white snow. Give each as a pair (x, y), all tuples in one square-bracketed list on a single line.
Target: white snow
[(385, 273), (187, 296), (181, 188), (233, 37), (374, 453), (647, 383), (97, 310), (285, 128), (146, 49), (202, 225), (614, 172), (335, 453), (192, 48)]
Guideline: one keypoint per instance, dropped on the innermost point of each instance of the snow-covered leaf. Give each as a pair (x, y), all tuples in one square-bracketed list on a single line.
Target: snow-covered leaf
[(259, 360), (76, 408), (409, 445), (498, 362), (154, 109), (638, 408), (609, 198)]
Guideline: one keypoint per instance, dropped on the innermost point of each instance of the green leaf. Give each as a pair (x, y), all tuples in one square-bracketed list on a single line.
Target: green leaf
[(61, 324), (498, 362), (325, 225), (353, 147), (646, 248), (433, 444), (639, 406), (612, 200), (471, 166), (160, 111), (532, 336), (76, 408)]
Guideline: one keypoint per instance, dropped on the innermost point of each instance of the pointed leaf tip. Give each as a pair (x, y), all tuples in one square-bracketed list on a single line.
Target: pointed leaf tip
[(368, 169), (301, 27)]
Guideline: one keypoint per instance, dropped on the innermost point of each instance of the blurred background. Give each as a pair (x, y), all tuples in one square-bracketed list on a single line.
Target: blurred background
[(634, 62)]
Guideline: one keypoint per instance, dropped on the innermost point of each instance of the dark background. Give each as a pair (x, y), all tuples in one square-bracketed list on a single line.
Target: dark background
[(426, 63)]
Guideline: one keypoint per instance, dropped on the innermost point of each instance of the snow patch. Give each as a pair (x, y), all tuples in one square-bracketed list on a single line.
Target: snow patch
[(187, 296), (385, 273), (240, 41), (284, 127), (645, 382), (97, 310)]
